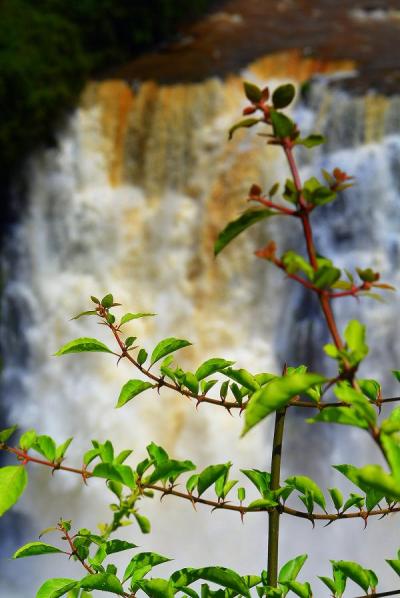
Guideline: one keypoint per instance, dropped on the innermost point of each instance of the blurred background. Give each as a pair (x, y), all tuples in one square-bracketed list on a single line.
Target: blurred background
[(116, 176)]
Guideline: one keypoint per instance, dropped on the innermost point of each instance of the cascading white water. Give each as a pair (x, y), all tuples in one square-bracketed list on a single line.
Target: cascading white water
[(129, 202)]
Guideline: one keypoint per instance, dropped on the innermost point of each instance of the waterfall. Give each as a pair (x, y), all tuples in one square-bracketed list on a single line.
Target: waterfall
[(129, 202)]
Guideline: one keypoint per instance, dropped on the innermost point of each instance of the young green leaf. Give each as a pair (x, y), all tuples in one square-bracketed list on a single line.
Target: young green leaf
[(260, 479), (354, 335), (303, 484), (128, 317), (234, 228), (117, 473), (211, 366), (283, 95), (27, 440), (282, 125), (80, 345), (301, 589), (13, 481), (170, 470), (144, 559), (91, 312), (245, 123), (142, 356), (167, 346), (143, 523), (157, 588), (337, 497), (131, 389), (219, 575), (210, 475), (311, 140), (7, 433), (243, 377), (395, 564), (35, 549), (252, 92), (105, 582), (275, 395), (46, 446), (355, 572), (56, 587), (107, 301), (372, 491), (62, 449)]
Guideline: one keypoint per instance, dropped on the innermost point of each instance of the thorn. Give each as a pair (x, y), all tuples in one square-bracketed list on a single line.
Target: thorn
[(229, 411), (329, 522), (312, 520), (215, 508), (193, 503), (242, 514)]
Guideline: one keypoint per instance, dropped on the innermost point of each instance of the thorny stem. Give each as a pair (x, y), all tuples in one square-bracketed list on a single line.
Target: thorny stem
[(274, 514), (381, 594), (170, 490), (74, 551), (305, 219)]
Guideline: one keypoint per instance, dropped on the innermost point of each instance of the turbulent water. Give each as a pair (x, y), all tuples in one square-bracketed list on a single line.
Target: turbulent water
[(130, 202)]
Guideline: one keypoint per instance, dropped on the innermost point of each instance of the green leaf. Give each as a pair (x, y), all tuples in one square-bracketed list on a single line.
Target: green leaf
[(355, 572), (170, 469), (166, 346), (128, 317), (377, 479), (143, 523), (211, 366), (245, 123), (262, 503), (191, 382), (241, 494), (291, 569), (105, 582), (142, 356), (311, 140), (157, 588), (303, 484), (107, 301), (207, 385), (283, 95), (301, 589), (282, 125), (253, 92), (372, 491), (62, 449), (354, 500), (220, 575), (27, 440), (144, 559), (58, 586), (294, 262), (7, 433), (91, 312), (337, 497), (340, 415), (113, 546), (234, 228), (35, 549), (392, 452), (260, 479), (13, 481), (130, 390), (117, 473), (243, 377), (395, 564), (277, 394), (354, 335), (80, 345), (46, 446), (210, 475), (326, 276), (328, 582)]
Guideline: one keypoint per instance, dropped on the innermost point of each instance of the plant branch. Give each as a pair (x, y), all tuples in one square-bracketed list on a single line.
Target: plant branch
[(274, 513), (170, 490)]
